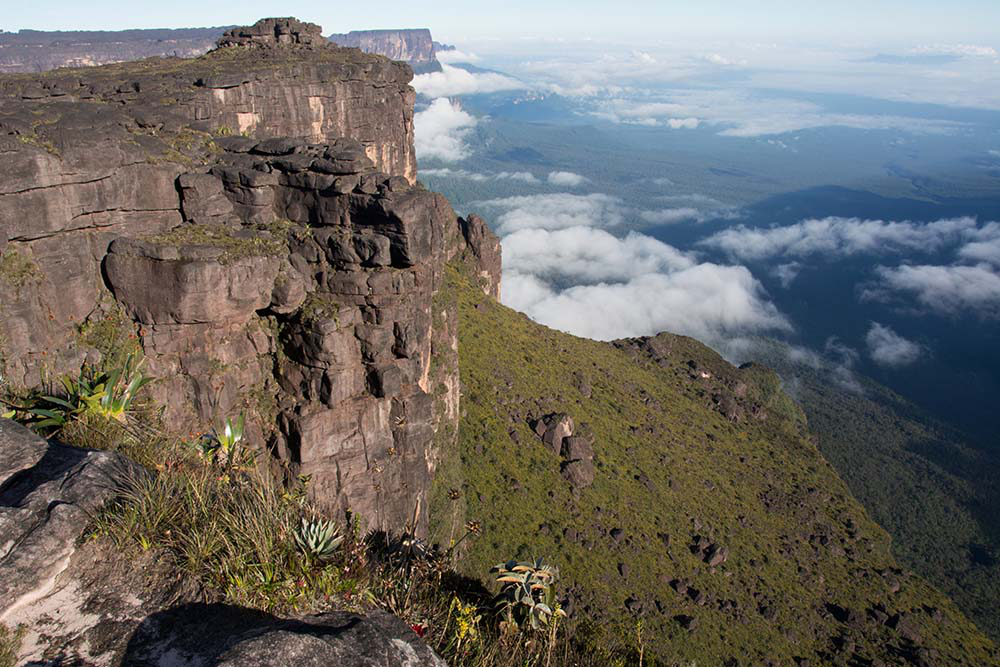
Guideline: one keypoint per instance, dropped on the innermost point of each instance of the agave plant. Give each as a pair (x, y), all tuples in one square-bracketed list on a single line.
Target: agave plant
[(318, 539), (527, 592), (110, 395), (106, 394), (225, 441)]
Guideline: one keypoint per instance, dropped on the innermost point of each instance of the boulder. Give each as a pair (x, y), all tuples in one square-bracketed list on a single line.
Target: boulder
[(48, 492), (557, 428), (227, 636)]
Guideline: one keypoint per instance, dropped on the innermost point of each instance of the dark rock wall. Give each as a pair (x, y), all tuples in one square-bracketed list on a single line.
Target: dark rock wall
[(292, 278)]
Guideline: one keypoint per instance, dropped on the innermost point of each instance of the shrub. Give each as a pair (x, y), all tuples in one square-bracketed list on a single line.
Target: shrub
[(10, 645), (527, 593)]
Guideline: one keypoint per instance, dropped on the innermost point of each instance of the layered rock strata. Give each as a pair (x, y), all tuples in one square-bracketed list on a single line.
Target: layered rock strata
[(292, 278), (413, 46)]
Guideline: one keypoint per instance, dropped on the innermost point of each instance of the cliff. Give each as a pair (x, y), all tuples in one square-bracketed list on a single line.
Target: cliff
[(414, 46), (249, 221), (249, 218), (30, 51)]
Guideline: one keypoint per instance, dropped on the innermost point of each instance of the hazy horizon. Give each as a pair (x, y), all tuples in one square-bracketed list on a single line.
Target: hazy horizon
[(888, 22)]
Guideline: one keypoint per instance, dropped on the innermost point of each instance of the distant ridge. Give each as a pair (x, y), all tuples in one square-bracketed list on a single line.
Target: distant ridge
[(413, 46), (40, 50)]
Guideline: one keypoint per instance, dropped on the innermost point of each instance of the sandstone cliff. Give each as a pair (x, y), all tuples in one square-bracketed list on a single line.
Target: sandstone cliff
[(413, 46), (253, 213)]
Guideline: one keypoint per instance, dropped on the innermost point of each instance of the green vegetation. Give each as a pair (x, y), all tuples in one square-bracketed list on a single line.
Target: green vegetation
[(224, 522), (234, 247), (18, 271), (93, 394), (247, 540), (318, 539), (319, 306), (527, 595), (674, 476), (111, 332), (10, 643), (935, 495)]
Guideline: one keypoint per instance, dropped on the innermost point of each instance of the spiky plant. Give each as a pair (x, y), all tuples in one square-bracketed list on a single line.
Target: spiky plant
[(225, 444), (108, 395), (527, 593), (318, 539)]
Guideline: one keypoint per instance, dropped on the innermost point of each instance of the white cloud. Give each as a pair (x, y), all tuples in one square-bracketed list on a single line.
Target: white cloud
[(719, 59), (943, 289), (584, 255), (554, 211), (834, 237), (844, 359), (440, 131), (994, 153), (565, 268), (456, 56), (566, 179), (787, 273), (740, 113), (707, 301), (970, 50), (984, 245), (452, 81), (669, 216), (446, 172), (887, 348), (683, 123)]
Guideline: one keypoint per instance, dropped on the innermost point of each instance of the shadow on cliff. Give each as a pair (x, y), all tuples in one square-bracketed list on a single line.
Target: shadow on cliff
[(200, 633)]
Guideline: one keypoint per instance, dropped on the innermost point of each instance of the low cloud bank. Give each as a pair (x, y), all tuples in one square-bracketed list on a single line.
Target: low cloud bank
[(565, 267), (440, 131)]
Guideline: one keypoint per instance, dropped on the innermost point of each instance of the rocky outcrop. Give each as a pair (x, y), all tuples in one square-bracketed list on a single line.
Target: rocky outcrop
[(268, 33), (289, 275), (227, 636), (48, 492), (307, 90), (80, 602), (413, 46), (32, 51)]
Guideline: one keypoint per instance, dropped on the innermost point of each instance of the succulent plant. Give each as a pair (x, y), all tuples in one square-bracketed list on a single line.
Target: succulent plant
[(225, 442), (318, 539), (527, 592)]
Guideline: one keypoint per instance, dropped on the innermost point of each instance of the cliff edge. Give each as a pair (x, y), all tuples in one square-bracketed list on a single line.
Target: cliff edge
[(249, 220)]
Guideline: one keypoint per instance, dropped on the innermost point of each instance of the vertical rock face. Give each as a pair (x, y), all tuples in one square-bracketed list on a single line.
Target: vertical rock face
[(413, 46), (292, 278)]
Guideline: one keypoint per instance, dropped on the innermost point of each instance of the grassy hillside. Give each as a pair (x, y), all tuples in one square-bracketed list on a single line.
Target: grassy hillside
[(688, 451), (937, 497)]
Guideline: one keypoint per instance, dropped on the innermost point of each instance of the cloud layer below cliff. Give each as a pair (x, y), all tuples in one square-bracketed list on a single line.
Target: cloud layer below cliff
[(452, 81), (565, 268), (440, 131)]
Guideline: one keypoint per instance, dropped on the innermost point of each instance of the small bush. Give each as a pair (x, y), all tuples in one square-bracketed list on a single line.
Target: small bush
[(10, 644)]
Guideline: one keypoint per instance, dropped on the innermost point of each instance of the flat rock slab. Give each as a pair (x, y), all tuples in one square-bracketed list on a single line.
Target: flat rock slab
[(225, 636), (48, 494)]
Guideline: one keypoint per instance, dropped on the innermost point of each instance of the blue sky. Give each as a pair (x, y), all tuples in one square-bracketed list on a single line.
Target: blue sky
[(884, 21)]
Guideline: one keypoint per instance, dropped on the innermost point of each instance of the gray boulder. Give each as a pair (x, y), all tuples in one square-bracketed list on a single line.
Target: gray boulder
[(225, 636), (48, 494)]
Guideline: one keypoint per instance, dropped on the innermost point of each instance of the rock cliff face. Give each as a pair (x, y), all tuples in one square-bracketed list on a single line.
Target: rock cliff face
[(413, 46), (288, 272), (30, 51)]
